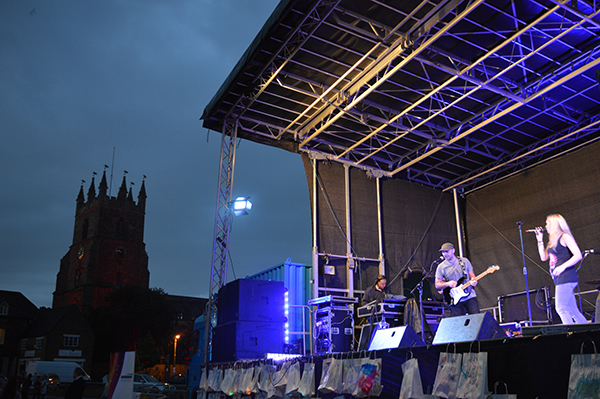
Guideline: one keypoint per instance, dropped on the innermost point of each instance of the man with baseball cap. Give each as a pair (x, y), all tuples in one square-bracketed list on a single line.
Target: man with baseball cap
[(451, 273)]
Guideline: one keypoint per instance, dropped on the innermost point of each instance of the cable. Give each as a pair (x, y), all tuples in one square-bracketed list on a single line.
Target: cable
[(542, 302), (328, 202), (433, 217), (507, 240), (326, 197)]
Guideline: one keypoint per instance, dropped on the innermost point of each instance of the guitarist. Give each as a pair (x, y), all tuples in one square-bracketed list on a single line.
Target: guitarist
[(452, 272)]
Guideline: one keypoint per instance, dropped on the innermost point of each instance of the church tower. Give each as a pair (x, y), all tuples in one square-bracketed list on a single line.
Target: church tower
[(108, 249)]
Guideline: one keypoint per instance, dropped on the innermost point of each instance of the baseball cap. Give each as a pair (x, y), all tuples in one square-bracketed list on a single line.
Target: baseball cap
[(447, 246)]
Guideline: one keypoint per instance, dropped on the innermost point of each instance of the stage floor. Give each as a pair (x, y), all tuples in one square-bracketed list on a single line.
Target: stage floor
[(535, 365)]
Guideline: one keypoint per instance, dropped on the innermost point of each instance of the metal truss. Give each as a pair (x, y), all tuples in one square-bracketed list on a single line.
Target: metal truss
[(223, 220), (448, 93)]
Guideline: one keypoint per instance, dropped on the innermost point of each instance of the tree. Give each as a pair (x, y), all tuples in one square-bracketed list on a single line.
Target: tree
[(134, 318)]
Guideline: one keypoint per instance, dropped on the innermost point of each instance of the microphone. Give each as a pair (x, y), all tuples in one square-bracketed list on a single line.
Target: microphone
[(592, 251), (533, 230), (441, 258)]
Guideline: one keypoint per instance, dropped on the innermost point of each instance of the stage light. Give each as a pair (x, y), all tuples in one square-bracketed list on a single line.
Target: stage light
[(241, 206), (281, 357), (286, 307)]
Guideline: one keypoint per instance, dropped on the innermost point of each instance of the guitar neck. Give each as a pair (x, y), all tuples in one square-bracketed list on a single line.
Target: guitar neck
[(485, 273)]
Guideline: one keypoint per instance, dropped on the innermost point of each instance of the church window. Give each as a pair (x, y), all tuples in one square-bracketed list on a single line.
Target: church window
[(4, 309), (79, 275)]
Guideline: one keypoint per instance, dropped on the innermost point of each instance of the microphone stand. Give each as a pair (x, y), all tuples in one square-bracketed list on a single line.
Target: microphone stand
[(525, 274), (420, 288), (585, 255)]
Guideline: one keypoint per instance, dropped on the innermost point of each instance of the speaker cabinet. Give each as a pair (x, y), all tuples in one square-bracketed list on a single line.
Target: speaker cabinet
[(396, 337), (246, 340), (251, 300), (513, 307), (467, 328)]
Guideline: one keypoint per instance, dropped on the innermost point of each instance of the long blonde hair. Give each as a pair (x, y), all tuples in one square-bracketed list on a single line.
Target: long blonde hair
[(557, 226)]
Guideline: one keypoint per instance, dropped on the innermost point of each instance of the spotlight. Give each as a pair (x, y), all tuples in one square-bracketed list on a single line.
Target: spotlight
[(241, 206)]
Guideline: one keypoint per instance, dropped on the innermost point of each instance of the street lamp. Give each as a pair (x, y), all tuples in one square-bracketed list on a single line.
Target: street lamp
[(175, 354)]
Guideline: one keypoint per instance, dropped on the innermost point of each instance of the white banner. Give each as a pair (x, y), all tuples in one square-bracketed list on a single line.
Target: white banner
[(120, 379)]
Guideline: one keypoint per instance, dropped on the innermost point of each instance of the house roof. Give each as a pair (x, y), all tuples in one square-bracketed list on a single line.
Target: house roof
[(47, 320), (18, 305), (447, 93)]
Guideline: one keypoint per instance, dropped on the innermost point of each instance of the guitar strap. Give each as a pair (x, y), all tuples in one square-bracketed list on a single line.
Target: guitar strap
[(462, 266)]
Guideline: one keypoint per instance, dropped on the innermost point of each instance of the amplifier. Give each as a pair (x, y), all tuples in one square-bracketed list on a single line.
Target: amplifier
[(434, 312), (332, 300), (513, 307), (388, 307)]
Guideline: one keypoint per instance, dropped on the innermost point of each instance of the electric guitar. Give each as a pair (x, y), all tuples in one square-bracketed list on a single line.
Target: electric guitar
[(453, 295)]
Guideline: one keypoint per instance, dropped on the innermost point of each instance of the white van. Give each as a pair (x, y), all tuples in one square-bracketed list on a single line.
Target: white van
[(64, 370)]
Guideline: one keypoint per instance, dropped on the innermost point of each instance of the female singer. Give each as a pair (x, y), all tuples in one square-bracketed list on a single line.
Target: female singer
[(564, 254)]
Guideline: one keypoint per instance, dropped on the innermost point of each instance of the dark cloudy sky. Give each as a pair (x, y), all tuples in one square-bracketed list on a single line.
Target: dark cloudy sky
[(81, 78)]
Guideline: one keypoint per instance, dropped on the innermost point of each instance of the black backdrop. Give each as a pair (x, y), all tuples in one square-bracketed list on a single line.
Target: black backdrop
[(418, 219), (568, 185)]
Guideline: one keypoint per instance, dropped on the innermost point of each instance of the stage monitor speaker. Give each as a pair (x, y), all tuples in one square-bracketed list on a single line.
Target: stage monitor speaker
[(467, 328), (395, 337), (366, 334)]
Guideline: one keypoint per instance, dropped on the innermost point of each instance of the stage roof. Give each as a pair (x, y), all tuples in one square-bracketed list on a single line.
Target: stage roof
[(451, 94)]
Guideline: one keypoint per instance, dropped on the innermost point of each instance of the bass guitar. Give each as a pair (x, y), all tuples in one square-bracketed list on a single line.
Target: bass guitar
[(453, 295)]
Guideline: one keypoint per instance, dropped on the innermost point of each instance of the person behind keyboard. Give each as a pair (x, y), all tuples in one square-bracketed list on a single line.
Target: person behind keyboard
[(376, 292)]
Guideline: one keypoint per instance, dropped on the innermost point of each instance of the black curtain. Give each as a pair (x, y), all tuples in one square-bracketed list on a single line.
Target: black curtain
[(568, 185), (416, 221)]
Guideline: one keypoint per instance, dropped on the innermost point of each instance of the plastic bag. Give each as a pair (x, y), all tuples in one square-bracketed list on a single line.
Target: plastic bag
[(226, 383), (203, 378), (307, 382), (266, 380), (281, 376), (245, 384), (215, 376), (331, 377), (293, 382)]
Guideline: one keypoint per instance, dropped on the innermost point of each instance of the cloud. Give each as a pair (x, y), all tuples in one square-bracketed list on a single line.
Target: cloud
[(84, 79)]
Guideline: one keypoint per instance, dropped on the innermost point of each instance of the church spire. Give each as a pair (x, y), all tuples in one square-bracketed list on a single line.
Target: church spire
[(103, 186), (92, 191), (130, 195), (122, 196), (142, 196), (80, 196)]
